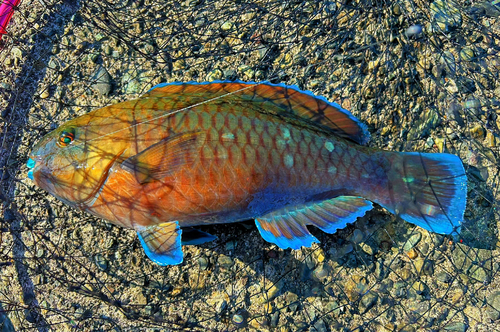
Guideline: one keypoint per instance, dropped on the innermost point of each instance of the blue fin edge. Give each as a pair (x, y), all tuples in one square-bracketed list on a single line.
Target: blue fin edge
[(364, 128), (175, 259), (334, 227)]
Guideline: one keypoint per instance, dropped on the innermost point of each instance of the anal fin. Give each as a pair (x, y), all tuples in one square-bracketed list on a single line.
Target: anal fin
[(162, 243), (286, 227)]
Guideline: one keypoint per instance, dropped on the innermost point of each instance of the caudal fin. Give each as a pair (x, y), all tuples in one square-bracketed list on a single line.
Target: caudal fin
[(428, 190)]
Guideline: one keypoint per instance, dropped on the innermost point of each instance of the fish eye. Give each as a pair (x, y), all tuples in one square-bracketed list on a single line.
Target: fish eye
[(66, 137)]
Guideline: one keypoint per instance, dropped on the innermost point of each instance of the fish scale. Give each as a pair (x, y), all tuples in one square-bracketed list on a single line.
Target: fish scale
[(188, 154)]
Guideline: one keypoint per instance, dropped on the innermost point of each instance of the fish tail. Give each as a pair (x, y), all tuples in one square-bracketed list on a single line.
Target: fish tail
[(426, 189)]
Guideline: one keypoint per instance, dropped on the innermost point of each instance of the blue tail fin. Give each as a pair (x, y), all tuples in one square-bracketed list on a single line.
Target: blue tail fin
[(428, 190)]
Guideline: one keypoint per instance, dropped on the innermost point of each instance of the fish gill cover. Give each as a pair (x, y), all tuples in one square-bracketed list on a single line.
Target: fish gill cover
[(423, 76)]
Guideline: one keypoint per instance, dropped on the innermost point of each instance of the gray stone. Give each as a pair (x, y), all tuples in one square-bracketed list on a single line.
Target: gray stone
[(412, 241), (399, 290), (321, 272), (101, 262), (319, 326), (467, 54), (333, 307), (132, 86), (368, 301), (203, 263), (102, 81), (479, 274), (443, 277), (225, 261), (275, 318), (455, 327), (493, 305)]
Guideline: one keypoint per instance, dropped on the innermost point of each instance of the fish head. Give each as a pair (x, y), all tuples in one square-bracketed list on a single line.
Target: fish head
[(72, 163)]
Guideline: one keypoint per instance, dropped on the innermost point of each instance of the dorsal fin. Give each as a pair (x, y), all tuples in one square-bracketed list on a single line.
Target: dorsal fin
[(287, 97)]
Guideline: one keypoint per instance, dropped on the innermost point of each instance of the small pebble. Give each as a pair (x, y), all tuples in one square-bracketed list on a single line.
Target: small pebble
[(225, 261), (412, 241), (176, 291), (368, 301), (419, 287), (203, 263), (455, 327), (467, 54), (412, 253), (443, 277), (45, 94), (101, 262), (238, 319), (102, 81), (357, 236), (414, 30)]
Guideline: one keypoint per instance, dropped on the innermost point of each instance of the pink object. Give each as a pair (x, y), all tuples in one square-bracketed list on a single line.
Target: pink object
[(6, 11)]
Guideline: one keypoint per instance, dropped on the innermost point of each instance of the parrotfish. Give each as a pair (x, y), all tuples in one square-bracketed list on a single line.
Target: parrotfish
[(188, 154)]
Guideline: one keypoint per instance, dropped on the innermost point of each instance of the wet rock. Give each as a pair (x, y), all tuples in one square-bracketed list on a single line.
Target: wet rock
[(420, 287), (414, 30), (45, 94), (493, 305), (405, 274), (412, 254), (221, 307), (486, 8), (474, 263), (479, 274), (380, 271), (102, 81), (214, 75)]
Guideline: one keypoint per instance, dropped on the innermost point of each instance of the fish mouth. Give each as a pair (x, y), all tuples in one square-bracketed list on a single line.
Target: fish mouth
[(31, 165)]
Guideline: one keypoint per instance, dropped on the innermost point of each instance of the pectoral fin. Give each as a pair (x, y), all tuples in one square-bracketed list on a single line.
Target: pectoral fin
[(162, 243), (165, 157)]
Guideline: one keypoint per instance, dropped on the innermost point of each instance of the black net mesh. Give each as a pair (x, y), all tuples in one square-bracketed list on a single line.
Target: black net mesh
[(424, 76)]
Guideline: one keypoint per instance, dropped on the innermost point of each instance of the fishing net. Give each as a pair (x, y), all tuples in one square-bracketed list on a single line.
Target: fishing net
[(423, 75)]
